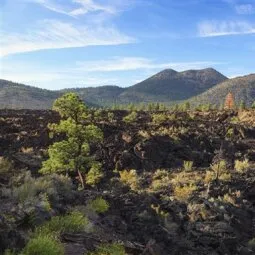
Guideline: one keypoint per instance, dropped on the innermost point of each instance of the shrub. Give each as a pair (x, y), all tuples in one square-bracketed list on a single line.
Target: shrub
[(5, 165), (110, 116), (229, 199), (234, 120), (159, 118), (99, 205), (230, 133), (187, 165), (183, 193), (241, 166), (130, 178), (54, 186), (209, 176), (94, 175), (43, 245), (219, 172), (160, 180), (185, 178), (130, 117), (219, 169), (70, 223), (251, 244), (109, 249)]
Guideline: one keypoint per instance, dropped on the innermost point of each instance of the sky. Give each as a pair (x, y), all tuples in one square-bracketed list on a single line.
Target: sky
[(55, 44)]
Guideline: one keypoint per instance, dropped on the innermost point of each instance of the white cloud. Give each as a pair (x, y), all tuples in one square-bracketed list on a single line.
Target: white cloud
[(136, 63), (223, 28), (91, 6), (52, 5), (52, 34), (74, 7), (245, 9)]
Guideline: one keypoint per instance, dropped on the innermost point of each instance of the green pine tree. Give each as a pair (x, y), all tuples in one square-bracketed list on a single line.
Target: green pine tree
[(73, 153)]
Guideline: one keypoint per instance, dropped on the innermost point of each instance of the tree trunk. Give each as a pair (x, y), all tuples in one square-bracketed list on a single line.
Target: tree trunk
[(81, 179)]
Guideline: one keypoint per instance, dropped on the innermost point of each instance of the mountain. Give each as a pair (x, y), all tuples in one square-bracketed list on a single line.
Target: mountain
[(169, 85), (242, 88), (19, 96), (104, 95)]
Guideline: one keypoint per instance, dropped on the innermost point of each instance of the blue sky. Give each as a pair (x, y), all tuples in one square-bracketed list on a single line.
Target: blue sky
[(56, 44)]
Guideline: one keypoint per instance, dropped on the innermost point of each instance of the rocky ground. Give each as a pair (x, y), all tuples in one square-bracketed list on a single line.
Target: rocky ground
[(163, 206)]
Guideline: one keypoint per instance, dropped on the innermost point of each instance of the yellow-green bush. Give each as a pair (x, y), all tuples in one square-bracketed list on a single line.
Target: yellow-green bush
[(242, 166), (220, 170), (183, 193), (160, 180), (130, 117), (43, 245), (109, 249), (70, 223), (159, 118), (187, 165), (99, 205), (94, 175), (129, 178)]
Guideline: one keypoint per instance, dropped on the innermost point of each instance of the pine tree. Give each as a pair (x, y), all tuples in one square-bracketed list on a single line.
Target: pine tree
[(73, 153)]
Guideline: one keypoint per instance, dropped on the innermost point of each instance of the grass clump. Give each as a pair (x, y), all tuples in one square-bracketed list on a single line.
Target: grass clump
[(159, 118), (43, 245), (29, 189), (183, 193), (187, 165), (242, 166), (71, 223), (130, 117), (99, 205), (160, 180), (109, 249), (129, 178), (218, 172)]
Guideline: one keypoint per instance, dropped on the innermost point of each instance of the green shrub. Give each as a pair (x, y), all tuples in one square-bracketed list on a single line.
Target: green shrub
[(234, 120), (70, 223), (230, 133), (130, 117), (43, 245), (54, 186), (109, 249), (99, 205), (94, 175)]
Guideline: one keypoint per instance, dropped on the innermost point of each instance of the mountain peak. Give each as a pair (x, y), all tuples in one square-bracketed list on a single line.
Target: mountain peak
[(165, 74)]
